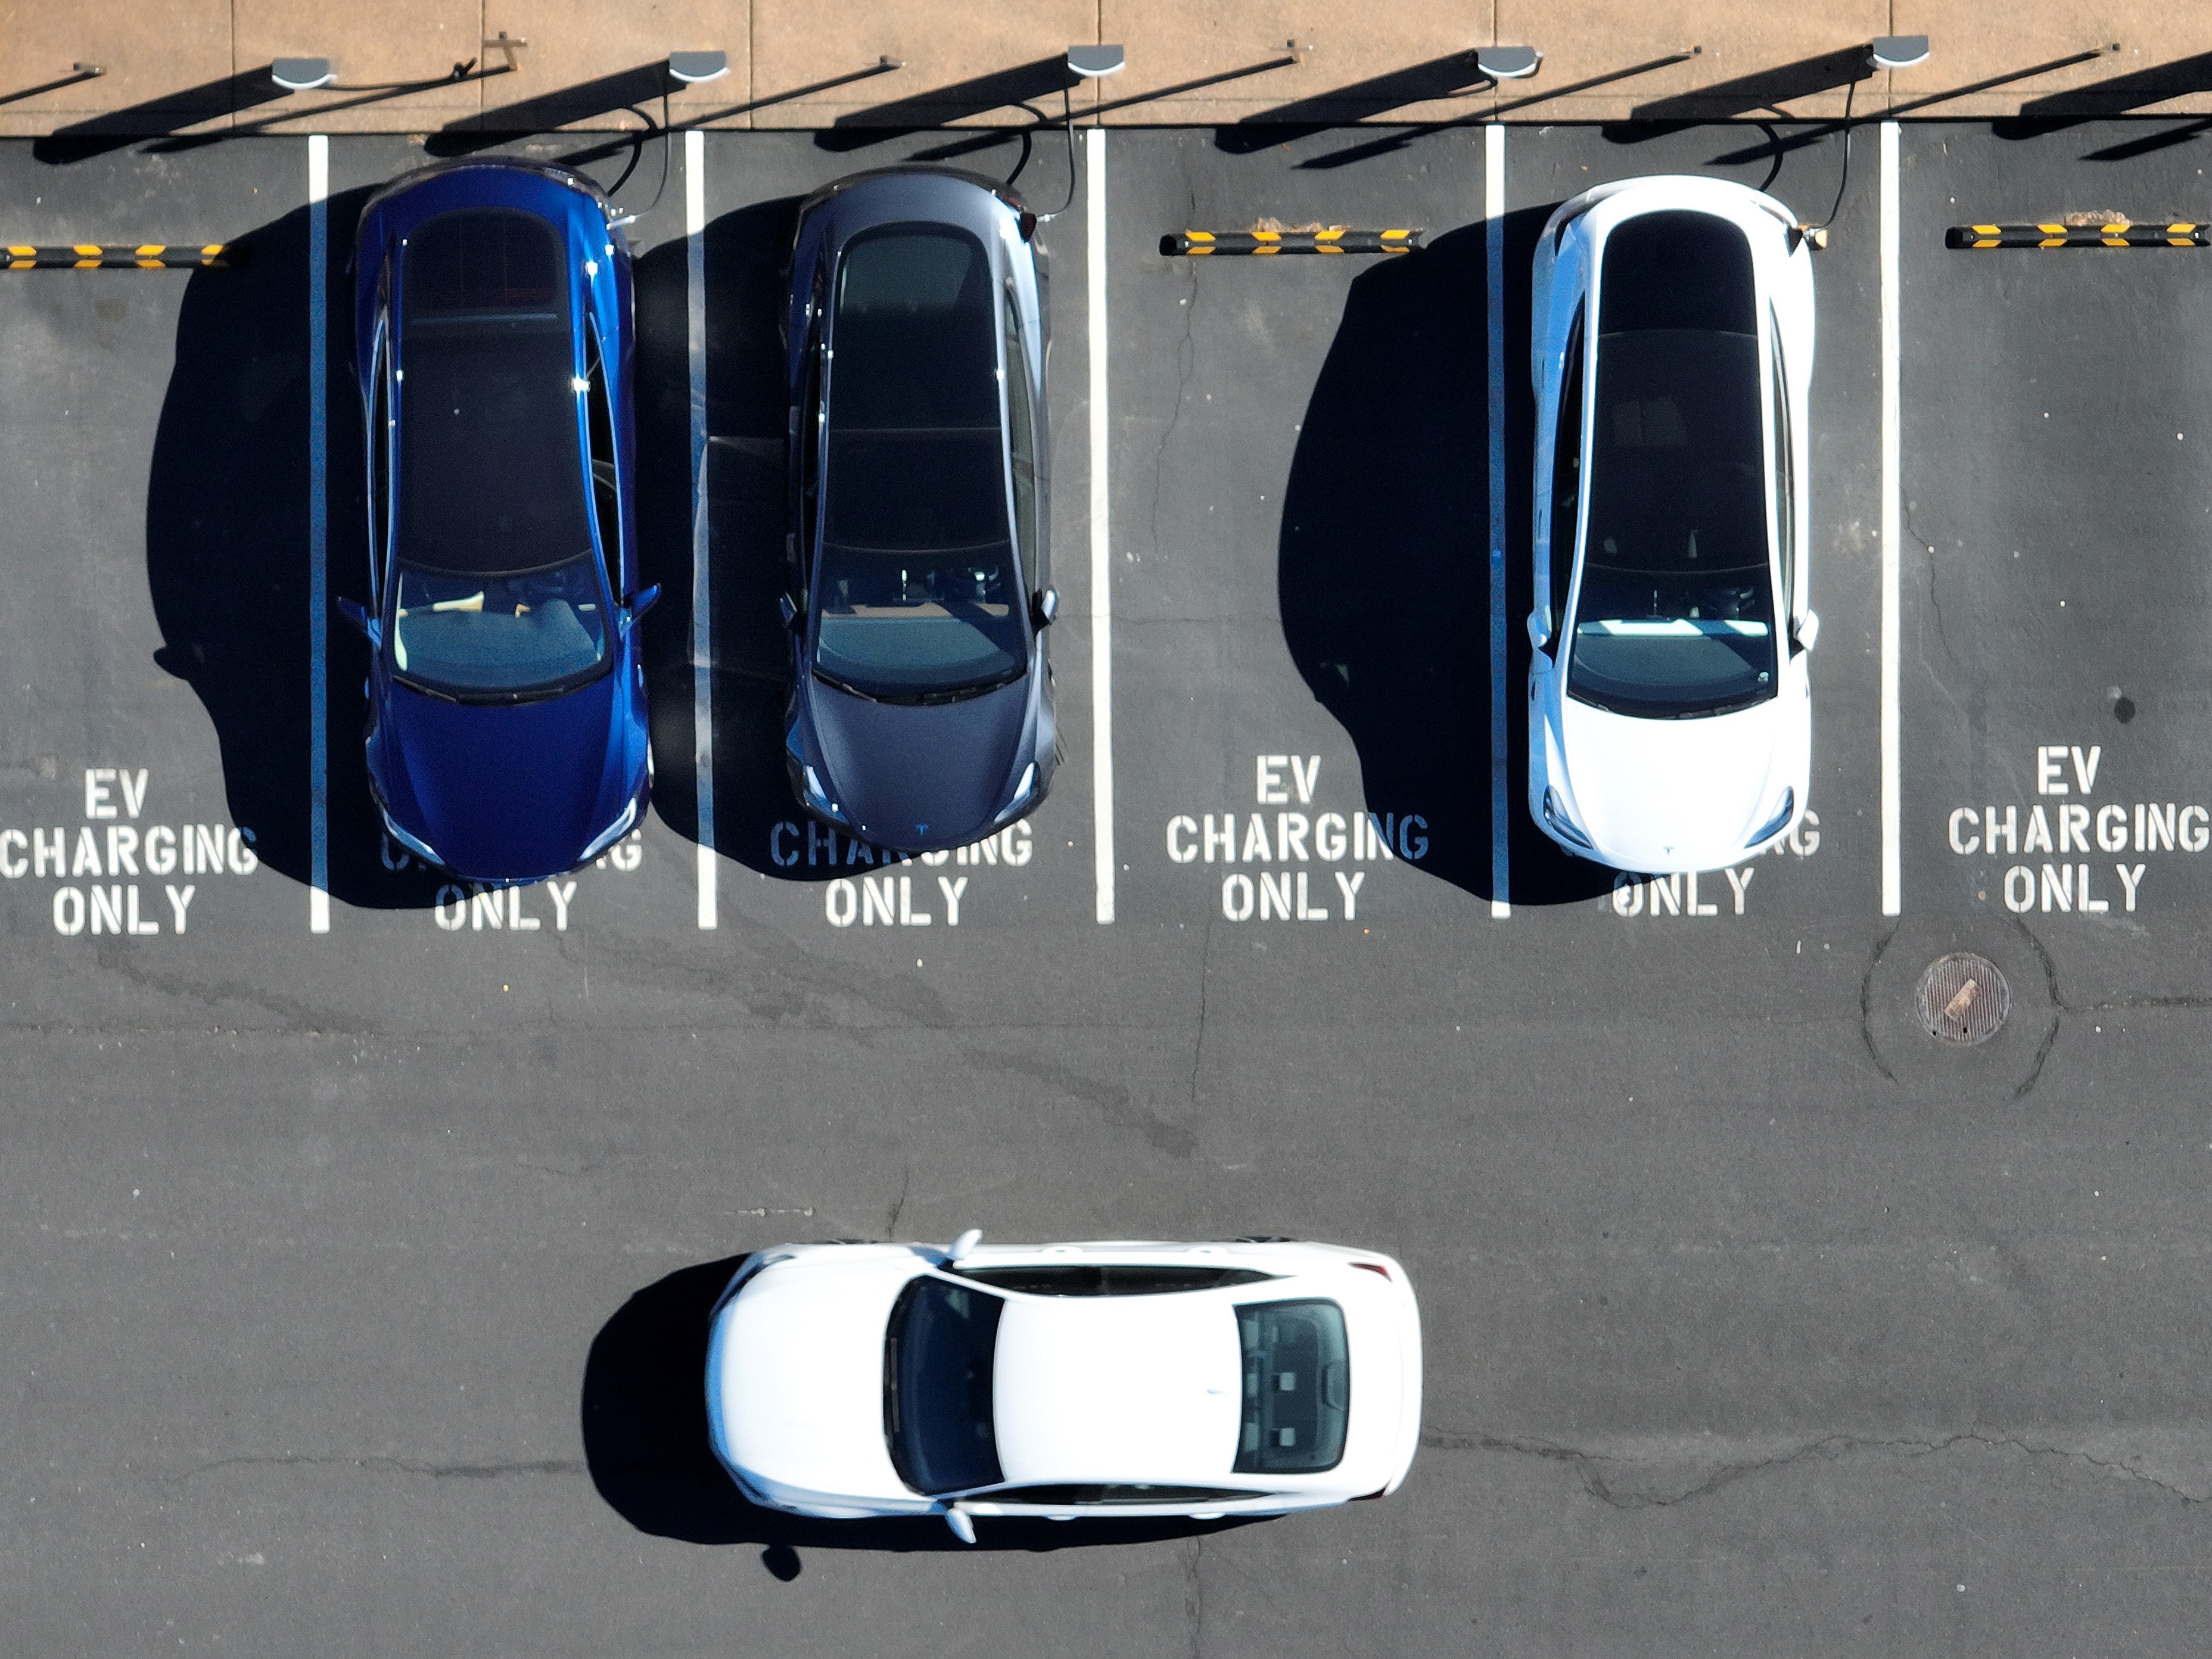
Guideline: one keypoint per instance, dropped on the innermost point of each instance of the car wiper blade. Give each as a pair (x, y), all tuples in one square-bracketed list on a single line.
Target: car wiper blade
[(849, 690)]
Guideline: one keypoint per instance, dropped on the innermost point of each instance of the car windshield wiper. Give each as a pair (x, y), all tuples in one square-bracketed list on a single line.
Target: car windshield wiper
[(497, 694), (850, 690)]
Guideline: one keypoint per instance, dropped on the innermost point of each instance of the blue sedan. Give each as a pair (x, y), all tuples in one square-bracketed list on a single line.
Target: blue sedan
[(922, 711), (492, 334)]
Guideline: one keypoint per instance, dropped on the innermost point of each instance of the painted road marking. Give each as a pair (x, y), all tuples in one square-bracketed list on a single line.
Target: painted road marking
[(1493, 211), (1892, 531), (2079, 824), (1102, 559), (318, 599), (703, 615)]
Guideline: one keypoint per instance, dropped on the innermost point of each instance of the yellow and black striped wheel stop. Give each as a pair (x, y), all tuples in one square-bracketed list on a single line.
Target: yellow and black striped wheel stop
[(2118, 235), (1336, 239), (119, 256)]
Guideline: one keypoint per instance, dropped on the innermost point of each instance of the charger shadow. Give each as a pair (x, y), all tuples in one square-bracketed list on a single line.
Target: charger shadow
[(2121, 95), (1454, 74), (643, 1405), (1006, 89), (624, 91), (161, 118), (1383, 565), (1765, 89)]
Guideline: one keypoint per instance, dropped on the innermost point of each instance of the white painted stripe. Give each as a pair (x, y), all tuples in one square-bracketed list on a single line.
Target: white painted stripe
[(1102, 555), (702, 612), (1501, 793), (319, 595), (1893, 532)]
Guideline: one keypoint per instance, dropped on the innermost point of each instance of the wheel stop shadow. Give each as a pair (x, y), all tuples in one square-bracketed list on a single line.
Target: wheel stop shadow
[(647, 1444), (1384, 566), (227, 526)]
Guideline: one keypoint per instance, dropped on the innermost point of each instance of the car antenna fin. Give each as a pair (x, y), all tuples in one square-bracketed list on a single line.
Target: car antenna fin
[(960, 1246)]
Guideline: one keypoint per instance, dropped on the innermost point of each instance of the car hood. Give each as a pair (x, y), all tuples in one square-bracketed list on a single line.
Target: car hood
[(506, 791), (916, 777), (798, 1382), (1140, 1388), (1657, 795)]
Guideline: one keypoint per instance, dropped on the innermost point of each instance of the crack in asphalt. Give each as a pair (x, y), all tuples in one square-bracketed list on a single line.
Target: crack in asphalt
[(1831, 1447), (1194, 1595)]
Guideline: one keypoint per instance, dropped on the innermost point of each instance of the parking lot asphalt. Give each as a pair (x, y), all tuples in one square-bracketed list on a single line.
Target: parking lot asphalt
[(354, 1282)]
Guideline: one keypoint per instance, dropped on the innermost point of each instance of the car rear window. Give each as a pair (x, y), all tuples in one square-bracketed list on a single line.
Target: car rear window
[(939, 1354), (1677, 271), (1110, 1278), (1297, 1387)]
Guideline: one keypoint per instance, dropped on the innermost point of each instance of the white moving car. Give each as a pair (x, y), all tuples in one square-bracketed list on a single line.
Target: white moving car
[(1061, 1380), (1670, 719)]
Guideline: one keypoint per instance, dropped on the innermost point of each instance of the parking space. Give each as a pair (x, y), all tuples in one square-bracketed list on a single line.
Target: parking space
[(2058, 609), (1756, 1320), (1301, 550)]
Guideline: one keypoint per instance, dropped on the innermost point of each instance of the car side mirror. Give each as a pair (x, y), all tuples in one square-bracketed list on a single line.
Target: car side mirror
[(1540, 629), (963, 1525), (366, 625), (644, 602), (1044, 606), (789, 610), (1806, 632)]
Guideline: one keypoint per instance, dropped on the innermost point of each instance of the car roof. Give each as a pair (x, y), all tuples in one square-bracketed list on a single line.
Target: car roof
[(1120, 1389)]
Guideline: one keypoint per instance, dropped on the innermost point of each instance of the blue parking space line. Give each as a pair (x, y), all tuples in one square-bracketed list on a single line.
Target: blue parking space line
[(1493, 209)]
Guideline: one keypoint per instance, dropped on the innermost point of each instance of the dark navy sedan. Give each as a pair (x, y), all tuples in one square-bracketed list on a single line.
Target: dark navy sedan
[(506, 722), (921, 713)]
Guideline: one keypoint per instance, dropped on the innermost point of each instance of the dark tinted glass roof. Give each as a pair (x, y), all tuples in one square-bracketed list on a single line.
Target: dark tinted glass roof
[(484, 259), (914, 334), (1676, 270), (491, 475)]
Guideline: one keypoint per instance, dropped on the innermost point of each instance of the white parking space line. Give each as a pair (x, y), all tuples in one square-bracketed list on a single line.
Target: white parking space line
[(318, 743), (1493, 211), (1102, 558), (703, 615), (1892, 530)]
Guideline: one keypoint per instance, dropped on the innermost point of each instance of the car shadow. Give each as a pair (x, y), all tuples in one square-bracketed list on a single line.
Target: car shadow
[(1383, 567), (227, 524), (646, 1443)]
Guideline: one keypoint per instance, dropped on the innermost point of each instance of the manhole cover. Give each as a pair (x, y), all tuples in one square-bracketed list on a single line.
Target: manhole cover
[(1964, 999)]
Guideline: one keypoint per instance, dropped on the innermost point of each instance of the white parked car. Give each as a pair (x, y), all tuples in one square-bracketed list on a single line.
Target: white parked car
[(1670, 719), (1059, 1381)]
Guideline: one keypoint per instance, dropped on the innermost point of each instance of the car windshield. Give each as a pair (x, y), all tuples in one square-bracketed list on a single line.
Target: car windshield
[(500, 637), (1297, 1387), (492, 495), (919, 593), (939, 1353), (1675, 616)]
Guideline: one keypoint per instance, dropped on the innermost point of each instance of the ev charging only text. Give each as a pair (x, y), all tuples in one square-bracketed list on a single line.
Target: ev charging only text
[(1695, 896), (886, 899), (2075, 833), (1294, 839), (115, 840)]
